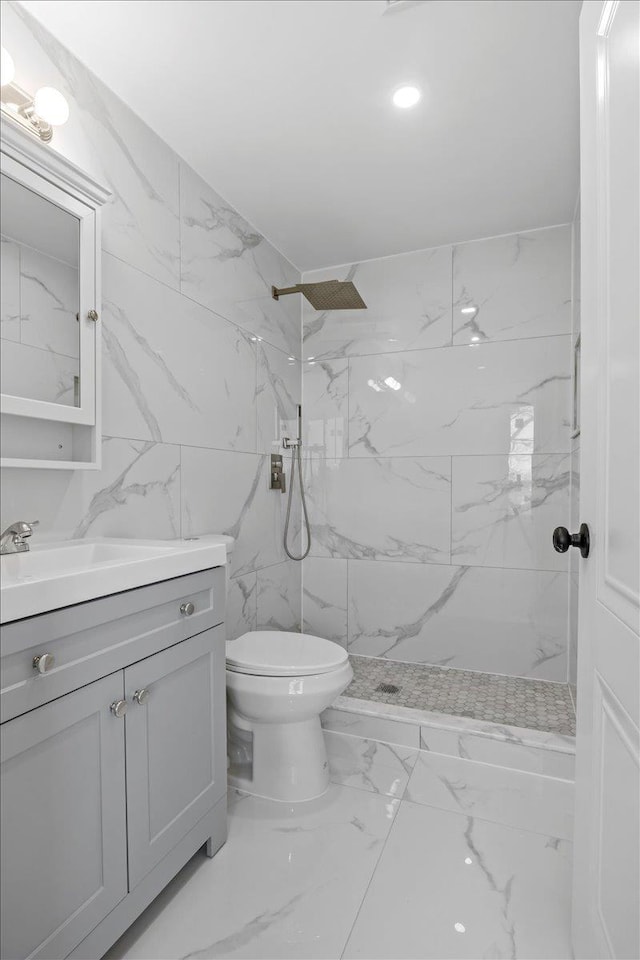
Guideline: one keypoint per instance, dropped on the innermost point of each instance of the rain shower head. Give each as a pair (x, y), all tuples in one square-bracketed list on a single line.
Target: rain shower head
[(326, 295)]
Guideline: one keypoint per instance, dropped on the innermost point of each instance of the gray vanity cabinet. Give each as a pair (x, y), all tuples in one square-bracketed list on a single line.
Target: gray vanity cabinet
[(110, 787), (173, 777), (64, 852)]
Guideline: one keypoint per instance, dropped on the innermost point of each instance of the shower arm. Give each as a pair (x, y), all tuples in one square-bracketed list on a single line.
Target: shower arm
[(277, 292)]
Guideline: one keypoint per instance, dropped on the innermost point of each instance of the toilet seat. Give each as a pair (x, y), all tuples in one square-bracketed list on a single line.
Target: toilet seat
[(276, 653)]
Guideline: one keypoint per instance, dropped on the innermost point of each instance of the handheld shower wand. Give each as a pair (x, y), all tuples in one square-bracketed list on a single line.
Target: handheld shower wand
[(296, 456)]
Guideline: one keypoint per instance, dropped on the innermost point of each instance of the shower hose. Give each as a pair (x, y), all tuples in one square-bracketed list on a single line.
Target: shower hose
[(296, 456)]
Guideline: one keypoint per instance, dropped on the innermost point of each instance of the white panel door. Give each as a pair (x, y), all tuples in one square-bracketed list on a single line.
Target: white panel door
[(606, 850)]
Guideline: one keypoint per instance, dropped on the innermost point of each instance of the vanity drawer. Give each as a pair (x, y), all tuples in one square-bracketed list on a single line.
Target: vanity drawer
[(90, 640)]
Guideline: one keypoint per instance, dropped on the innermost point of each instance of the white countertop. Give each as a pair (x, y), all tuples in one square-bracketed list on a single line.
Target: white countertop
[(54, 575)]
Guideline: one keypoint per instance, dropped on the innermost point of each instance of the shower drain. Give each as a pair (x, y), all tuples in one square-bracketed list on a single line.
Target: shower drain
[(387, 688)]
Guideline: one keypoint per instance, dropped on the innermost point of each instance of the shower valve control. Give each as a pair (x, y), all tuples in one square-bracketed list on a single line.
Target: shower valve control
[(278, 479)]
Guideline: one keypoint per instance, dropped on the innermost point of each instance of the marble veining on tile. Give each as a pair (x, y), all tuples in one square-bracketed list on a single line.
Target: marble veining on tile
[(358, 873), (509, 397), (506, 288), (408, 301), (287, 884), (371, 765), (387, 508), (459, 886), (534, 704), (505, 507), (475, 618)]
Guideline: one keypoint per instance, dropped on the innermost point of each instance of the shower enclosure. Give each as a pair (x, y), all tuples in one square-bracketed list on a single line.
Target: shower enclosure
[(438, 459)]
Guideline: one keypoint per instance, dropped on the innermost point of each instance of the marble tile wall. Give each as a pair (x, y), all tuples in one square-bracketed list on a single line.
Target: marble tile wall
[(201, 368), (438, 456), (38, 324)]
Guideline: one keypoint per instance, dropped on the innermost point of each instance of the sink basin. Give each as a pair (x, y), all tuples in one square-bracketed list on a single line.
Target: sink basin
[(54, 575)]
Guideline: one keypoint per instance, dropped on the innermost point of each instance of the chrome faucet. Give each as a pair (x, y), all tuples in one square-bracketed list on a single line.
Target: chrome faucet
[(15, 538)]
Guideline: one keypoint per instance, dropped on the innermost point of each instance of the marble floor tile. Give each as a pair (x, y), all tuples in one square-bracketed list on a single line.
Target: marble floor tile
[(503, 509), (454, 886), (519, 285), (369, 764), (387, 509), (324, 598), (511, 797), (408, 300), (287, 884), (482, 398)]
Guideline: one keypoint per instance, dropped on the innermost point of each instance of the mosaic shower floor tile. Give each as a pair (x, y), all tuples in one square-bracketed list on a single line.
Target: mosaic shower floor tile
[(516, 701)]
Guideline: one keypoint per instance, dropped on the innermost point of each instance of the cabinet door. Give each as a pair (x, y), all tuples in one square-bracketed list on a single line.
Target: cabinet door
[(64, 846), (176, 749)]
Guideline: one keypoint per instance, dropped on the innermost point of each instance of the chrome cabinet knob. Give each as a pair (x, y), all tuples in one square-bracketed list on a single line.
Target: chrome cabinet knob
[(44, 662), (119, 708), (92, 315), (186, 609), (142, 696)]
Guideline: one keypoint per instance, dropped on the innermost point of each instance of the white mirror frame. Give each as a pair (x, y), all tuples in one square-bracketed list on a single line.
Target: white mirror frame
[(45, 172)]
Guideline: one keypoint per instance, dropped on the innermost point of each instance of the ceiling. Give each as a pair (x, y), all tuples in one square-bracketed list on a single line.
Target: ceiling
[(284, 107)]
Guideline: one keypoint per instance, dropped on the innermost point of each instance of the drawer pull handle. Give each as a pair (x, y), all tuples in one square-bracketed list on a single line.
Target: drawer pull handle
[(186, 609), (44, 662), (142, 696), (118, 708)]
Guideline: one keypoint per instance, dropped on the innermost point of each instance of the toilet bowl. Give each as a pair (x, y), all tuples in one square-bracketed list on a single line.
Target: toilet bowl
[(278, 684)]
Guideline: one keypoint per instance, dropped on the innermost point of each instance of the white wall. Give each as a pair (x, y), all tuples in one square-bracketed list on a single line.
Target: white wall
[(201, 366), (438, 456)]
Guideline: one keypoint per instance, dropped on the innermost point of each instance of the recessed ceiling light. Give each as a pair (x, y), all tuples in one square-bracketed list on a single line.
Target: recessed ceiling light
[(406, 97)]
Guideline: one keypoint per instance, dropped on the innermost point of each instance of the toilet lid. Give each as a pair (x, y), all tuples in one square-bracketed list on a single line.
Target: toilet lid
[(274, 653)]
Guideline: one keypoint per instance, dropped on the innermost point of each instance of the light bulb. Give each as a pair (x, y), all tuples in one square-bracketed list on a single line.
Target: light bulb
[(51, 106), (406, 97), (8, 68)]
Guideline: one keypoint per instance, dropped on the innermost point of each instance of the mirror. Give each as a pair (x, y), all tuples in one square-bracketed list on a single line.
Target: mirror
[(40, 301)]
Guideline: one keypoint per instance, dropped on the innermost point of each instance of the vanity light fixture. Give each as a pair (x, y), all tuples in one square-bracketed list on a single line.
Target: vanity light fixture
[(39, 114)]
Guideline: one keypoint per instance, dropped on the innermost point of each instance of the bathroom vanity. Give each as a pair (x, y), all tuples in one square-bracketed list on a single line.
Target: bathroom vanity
[(113, 737)]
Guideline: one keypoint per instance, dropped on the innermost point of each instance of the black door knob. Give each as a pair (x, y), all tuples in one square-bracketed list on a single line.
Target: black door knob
[(562, 540)]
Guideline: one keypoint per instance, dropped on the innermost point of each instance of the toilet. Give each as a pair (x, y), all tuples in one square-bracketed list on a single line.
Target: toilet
[(278, 684)]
